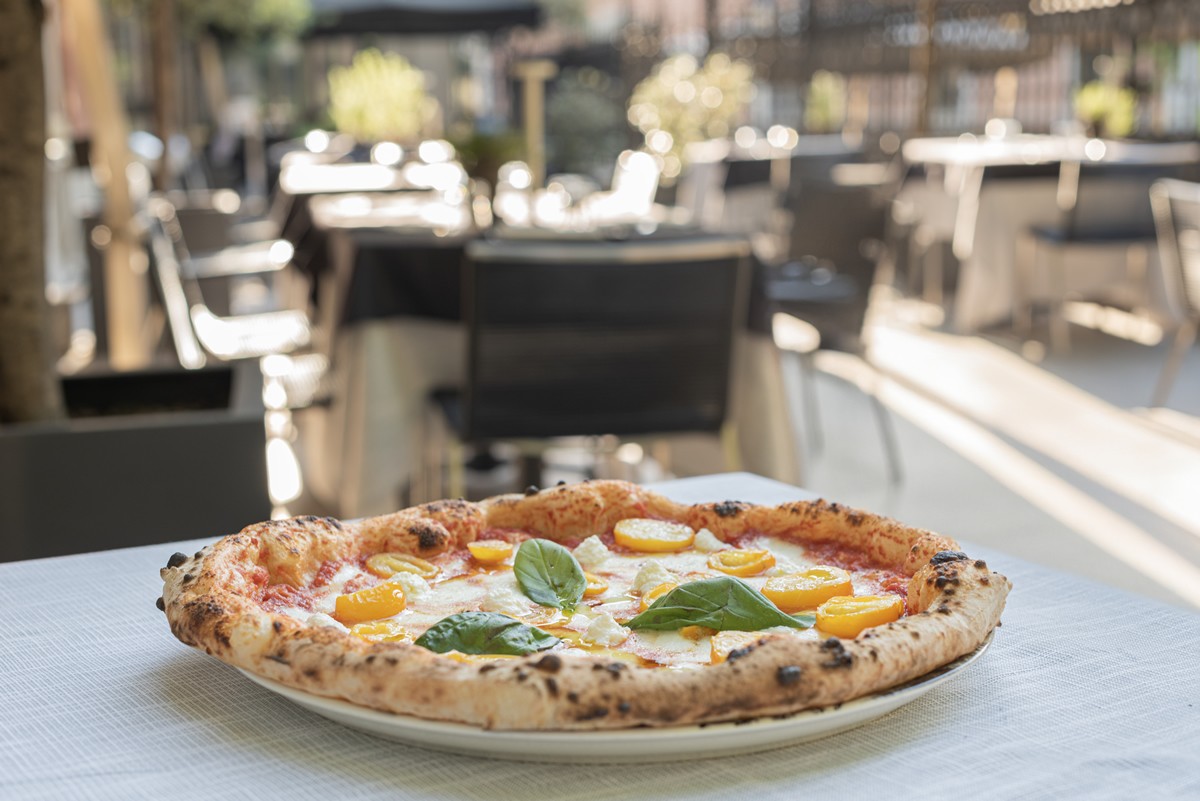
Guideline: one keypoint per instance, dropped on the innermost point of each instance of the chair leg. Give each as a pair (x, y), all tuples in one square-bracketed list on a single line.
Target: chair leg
[(812, 413), (1060, 331), (933, 273), (1184, 337), (457, 469), (730, 447), (1022, 291), (891, 445)]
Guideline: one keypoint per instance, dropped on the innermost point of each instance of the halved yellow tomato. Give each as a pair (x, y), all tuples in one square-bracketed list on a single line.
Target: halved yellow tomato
[(809, 589), (725, 642), (490, 552), (847, 616), (655, 593), (652, 536), (382, 600), (595, 585), (381, 631), (741, 563), (386, 565)]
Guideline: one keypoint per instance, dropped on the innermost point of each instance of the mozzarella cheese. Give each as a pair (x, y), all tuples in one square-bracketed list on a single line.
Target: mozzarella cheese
[(591, 553), (413, 585), (651, 575), (707, 542), (603, 630)]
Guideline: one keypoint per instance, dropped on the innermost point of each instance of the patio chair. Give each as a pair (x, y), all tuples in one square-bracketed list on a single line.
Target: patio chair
[(1176, 206), (579, 338), (1104, 207), (195, 329)]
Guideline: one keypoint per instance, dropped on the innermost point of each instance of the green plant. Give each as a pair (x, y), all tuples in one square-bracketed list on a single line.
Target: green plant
[(380, 96), (825, 110), (584, 122), (1106, 109), (682, 102)]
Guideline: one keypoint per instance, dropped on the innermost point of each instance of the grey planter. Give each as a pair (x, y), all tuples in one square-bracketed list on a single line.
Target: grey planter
[(146, 457)]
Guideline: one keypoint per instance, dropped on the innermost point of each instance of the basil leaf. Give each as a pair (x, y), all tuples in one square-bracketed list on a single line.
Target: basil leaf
[(723, 603), (485, 633), (549, 574)]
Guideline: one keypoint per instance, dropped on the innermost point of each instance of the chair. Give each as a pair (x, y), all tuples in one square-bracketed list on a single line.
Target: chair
[(1176, 206), (807, 301), (1104, 207), (194, 328), (570, 338)]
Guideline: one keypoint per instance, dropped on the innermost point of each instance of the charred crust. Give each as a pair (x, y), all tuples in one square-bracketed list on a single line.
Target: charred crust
[(593, 713), (279, 659), (573, 697), (391, 660), (532, 489), (551, 663), (561, 483), (522, 675), (198, 554), (855, 519), (188, 577), (916, 635), (162, 607), (624, 707), (944, 609), (278, 626), (942, 557), (738, 653), (984, 580), (839, 657), (452, 506), (429, 535), (177, 559), (788, 675), (552, 687), (982, 565), (729, 508), (612, 668), (486, 668), (311, 673), (371, 658)]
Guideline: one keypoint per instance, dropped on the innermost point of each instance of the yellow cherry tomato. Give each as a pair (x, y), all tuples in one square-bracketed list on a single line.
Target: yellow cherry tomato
[(381, 631), (655, 593), (595, 585), (490, 552), (725, 642), (741, 563), (694, 633), (809, 589), (373, 603), (652, 536), (386, 565), (846, 616)]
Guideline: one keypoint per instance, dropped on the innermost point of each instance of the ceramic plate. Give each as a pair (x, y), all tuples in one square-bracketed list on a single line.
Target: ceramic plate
[(628, 745)]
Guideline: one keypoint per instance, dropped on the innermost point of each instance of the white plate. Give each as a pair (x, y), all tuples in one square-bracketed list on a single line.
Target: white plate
[(626, 745)]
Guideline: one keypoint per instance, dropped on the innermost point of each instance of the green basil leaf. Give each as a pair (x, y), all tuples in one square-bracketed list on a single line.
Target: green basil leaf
[(723, 603), (485, 633), (549, 574)]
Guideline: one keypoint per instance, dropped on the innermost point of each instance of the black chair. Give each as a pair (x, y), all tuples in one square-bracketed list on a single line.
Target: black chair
[(1176, 206), (577, 338), (1104, 205)]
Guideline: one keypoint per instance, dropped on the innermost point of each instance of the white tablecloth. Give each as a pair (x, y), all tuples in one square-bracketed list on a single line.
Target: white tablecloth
[(1086, 693)]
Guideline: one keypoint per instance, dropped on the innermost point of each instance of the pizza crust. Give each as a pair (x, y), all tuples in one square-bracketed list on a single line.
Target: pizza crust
[(209, 598)]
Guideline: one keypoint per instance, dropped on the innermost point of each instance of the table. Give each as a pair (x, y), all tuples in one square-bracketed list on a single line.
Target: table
[(1087, 692), (983, 194)]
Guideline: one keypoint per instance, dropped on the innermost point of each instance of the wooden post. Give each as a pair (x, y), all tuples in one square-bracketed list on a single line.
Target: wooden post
[(166, 82), (533, 75), (923, 61), (126, 289)]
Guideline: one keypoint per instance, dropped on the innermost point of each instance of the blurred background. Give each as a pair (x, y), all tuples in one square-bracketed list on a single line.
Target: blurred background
[(939, 259)]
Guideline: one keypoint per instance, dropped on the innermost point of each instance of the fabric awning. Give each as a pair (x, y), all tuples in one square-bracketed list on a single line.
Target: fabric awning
[(348, 17)]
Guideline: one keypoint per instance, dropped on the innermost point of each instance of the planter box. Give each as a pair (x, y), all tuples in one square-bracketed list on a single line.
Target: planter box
[(145, 457)]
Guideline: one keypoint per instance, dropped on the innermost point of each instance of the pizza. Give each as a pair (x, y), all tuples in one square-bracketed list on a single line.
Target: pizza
[(599, 605)]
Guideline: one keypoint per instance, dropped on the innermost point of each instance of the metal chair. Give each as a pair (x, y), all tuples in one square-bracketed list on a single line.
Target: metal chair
[(1176, 206), (1103, 206), (624, 338)]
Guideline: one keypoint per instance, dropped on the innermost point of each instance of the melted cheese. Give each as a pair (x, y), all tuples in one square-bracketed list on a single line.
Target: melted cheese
[(596, 625)]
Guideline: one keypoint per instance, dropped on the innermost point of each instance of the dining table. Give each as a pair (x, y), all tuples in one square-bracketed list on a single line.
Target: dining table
[(1086, 691)]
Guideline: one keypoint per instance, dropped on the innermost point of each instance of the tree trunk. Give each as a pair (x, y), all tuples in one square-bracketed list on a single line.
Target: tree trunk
[(29, 388)]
